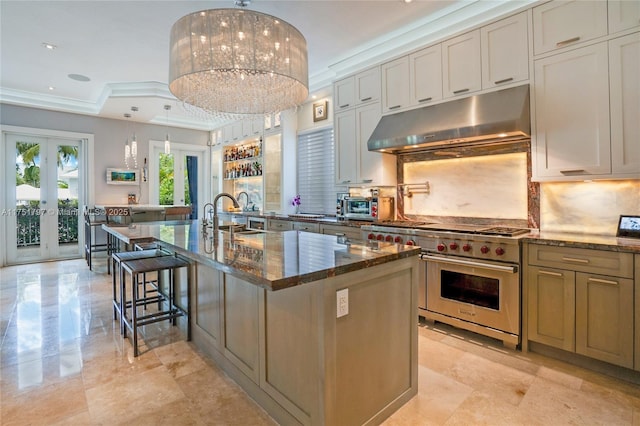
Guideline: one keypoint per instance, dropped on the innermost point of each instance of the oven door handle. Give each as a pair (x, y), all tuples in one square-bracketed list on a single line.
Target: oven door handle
[(512, 269)]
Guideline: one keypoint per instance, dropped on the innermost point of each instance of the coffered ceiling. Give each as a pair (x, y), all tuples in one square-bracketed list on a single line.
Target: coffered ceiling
[(122, 47)]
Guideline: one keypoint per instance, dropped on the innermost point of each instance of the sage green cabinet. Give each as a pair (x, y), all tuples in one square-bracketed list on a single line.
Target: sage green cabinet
[(552, 307), (582, 301), (637, 314), (240, 325), (207, 314), (604, 318)]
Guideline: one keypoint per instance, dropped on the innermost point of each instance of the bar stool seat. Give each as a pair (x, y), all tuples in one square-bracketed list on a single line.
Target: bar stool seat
[(172, 311), (118, 282), (146, 245)]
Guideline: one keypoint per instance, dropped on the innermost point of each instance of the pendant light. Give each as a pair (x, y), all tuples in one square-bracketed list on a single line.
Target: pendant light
[(127, 148), (134, 145), (237, 61), (167, 143)]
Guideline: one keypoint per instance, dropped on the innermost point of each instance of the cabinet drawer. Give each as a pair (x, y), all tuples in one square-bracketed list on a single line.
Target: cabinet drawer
[(583, 260), (306, 226), (279, 225), (348, 231)]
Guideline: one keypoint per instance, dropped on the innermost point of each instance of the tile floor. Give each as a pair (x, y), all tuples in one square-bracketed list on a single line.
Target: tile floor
[(64, 362)]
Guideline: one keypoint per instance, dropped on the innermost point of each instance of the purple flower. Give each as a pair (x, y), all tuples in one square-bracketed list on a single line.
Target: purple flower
[(295, 201)]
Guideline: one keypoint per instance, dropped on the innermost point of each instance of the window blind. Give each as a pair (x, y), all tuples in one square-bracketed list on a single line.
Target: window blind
[(316, 172)]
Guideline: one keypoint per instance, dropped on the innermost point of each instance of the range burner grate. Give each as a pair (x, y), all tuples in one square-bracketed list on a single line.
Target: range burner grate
[(503, 231), (400, 223)]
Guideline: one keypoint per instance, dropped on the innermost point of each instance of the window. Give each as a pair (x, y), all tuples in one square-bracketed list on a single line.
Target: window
[(316, 172)]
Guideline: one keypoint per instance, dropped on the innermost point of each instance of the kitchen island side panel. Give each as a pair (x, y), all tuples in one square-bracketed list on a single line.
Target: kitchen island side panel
[(317, 369)]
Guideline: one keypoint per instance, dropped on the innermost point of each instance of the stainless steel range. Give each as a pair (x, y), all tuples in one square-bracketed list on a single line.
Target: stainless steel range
[(472, 276)]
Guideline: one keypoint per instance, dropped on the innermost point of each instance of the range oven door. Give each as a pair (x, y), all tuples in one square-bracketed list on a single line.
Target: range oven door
[(484, 293)]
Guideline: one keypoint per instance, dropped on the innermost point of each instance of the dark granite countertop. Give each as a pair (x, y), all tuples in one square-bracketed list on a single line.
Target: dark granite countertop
[(273, 260), (588, 241)]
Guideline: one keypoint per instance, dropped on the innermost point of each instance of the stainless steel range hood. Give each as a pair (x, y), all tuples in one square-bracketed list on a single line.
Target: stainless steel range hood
[(496, 117)]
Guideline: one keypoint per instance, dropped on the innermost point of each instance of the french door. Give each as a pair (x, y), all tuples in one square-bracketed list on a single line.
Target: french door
[(44, 196), (178, 177)]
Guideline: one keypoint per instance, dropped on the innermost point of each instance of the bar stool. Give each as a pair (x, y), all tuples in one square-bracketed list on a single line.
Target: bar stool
[(117, 278), (115, 216), (171, 312), (93, 220)]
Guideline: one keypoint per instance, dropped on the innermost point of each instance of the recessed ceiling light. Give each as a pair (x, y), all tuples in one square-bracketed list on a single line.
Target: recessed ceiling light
[(407, 1), (49, 46), (314, 97), (79, 77), (51, 88)]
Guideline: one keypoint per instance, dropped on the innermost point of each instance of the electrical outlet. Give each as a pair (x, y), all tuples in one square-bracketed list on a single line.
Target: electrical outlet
[(342, 302)]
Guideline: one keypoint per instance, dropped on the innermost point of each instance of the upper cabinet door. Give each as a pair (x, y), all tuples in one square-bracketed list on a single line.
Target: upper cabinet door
[(624, 69), (346, 146), (572, 114), (345, 93), (395, 84), (558, 24), (425, 75), (505, 51), (461, 64), (623, 15), (367, 85)]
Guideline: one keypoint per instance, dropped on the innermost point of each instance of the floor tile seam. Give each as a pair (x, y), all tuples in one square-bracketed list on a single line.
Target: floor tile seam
[(7, 327)]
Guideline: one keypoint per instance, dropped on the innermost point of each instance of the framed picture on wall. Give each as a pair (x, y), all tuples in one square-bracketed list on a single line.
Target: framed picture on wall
[(123, 176), (320, 110)]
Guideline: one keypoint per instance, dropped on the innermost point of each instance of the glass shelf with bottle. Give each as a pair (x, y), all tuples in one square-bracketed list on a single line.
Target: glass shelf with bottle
[(243, 170), (243, 152)]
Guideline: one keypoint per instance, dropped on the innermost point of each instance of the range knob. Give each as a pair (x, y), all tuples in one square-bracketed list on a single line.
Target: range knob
[(441, 247), (466, 247), (484, 249), (453, 246), (371, 236), (389, 238), (398, 240), (499, 251), (380, 237), (411, 243)]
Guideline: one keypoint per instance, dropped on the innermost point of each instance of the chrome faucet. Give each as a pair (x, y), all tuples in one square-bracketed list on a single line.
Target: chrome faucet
[(215, 209), (204, 215), (246, 206)]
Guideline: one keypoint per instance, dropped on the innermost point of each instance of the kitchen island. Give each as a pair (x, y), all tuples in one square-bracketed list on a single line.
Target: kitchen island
[(265, 308)]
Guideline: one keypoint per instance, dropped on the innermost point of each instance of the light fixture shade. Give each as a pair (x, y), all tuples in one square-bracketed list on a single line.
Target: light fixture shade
[(237, 61)]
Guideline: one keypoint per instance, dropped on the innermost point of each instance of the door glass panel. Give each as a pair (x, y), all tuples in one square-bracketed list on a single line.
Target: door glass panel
[(27, 194), (191, 183), (67, 194), (166, 179)]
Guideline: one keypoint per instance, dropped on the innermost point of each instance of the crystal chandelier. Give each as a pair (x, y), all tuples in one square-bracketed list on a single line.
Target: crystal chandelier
[(237, 61)]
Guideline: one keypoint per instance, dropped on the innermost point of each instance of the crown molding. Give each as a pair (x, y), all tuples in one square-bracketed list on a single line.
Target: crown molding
[(455, 19)]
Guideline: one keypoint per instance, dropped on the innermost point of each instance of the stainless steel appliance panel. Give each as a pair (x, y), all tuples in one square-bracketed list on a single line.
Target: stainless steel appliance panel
[(484, 293)]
